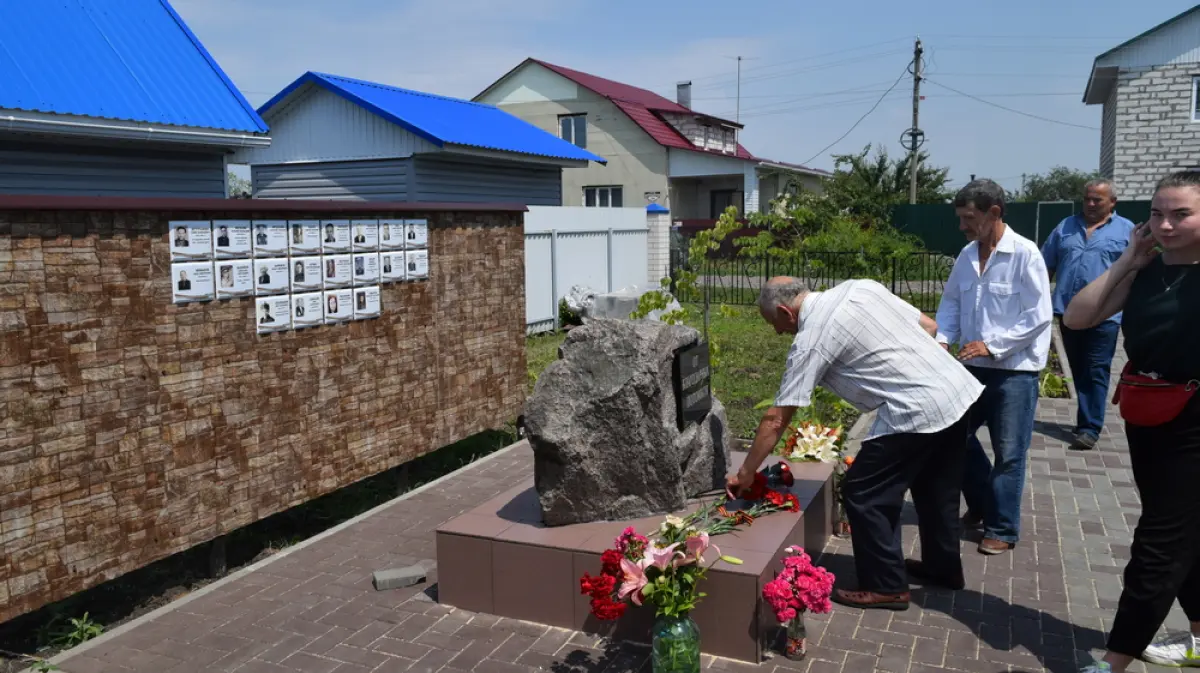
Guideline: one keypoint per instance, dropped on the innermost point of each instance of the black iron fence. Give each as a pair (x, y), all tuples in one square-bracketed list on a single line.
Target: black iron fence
[(918, 278)]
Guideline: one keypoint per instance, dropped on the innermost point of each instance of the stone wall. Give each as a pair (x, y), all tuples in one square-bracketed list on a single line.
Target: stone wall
[(1155, 134), (134, 428)]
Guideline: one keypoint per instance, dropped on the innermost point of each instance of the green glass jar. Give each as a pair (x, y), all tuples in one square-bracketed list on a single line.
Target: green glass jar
[(675, 645)]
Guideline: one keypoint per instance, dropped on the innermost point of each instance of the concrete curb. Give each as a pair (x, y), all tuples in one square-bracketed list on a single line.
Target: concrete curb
[(242, 572), (1056, 340)]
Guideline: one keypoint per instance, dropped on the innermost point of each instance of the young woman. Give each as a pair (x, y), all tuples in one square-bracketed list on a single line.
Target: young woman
[(1157, 284)]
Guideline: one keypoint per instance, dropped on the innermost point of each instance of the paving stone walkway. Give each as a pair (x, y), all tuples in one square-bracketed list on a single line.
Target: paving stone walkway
[(1042, 607)]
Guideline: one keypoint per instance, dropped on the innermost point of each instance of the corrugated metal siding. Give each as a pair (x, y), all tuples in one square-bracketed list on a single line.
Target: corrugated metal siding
[(1175, 43), (453, 180), (379, 180), (44, 168), (318, 125), (1108, 134)]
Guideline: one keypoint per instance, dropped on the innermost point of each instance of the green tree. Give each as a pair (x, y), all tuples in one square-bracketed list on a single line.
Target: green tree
[(239, 188), (865, 186), (1059, 184)]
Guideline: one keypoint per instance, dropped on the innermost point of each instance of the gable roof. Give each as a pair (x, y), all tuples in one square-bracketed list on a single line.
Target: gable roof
[(643, 107), (135, 60), (442, 120), (1104, 75)]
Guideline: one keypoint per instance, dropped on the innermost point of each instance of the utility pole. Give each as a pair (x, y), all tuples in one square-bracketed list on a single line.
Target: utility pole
[(915, 134)]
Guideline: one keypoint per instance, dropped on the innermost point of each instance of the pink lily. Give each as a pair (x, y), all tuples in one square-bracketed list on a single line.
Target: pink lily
[(660, 557), (635, 579), (697, 545)]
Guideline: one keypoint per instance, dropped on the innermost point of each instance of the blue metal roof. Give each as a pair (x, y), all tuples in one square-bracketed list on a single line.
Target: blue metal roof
[(133, 60), (656, 208), (442, 120)]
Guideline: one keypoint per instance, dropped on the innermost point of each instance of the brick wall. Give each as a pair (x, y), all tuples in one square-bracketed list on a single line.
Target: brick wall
[(1155, 134), (134, 428)]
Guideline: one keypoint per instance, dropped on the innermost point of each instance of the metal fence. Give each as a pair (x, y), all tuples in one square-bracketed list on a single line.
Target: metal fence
[(918, 278)]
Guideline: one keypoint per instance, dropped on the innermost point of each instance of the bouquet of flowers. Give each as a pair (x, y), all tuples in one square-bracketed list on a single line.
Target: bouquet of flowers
[(665, 567), (801, 587), (813, 442)]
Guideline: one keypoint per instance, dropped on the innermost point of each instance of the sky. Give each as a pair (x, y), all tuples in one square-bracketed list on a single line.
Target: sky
[(810, 70)]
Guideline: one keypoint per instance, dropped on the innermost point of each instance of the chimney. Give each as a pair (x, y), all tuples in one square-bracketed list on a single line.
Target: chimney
[(683, 94)]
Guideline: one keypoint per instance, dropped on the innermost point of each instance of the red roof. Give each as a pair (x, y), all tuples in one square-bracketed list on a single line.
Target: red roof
[(643, 107)]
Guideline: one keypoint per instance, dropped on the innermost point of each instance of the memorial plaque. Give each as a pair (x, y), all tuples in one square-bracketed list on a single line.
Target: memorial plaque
[(273, 314), (366, 234), (335, 236), (307, 274), (391, 234), (339, 306), (235, 278), (392, 266), (417, 262), (308, 309), (693, 394), (418, 234), (271, 238), (366, 268), (192, 281), (366, 302), (233, 239), (272, 276), (305, 237), (339, 271), (191, 240)]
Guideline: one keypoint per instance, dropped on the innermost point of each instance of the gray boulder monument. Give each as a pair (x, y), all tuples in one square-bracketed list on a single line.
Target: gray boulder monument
[(603, 424)]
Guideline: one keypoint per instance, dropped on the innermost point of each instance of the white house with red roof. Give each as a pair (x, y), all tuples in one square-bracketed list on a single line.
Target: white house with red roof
[(659, 151)]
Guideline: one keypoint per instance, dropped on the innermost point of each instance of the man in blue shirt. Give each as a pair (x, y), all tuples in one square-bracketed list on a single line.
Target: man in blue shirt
[(1077, 252)]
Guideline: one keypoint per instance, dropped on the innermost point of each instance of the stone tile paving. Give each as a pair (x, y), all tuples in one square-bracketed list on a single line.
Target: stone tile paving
[(1041, 607)]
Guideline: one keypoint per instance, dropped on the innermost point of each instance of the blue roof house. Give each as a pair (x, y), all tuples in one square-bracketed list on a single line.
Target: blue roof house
[(103, 98), (341, 138)]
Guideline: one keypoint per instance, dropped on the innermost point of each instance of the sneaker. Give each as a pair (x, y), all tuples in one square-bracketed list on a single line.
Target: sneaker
[(1096, 667), (1084, 442), (1179, 649)]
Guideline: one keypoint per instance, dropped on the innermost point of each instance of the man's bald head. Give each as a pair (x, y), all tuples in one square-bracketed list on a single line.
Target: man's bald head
[(779, 302)]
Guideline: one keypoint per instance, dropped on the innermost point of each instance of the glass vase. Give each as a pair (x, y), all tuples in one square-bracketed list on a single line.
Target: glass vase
[(795, 646), (675, 645)]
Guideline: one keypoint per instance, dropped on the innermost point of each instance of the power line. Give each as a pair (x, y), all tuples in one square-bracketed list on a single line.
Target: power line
[(860, 119), (1008, 109)]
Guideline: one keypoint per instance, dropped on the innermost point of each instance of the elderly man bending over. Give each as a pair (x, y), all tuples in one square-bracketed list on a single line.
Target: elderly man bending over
[(877, 352)]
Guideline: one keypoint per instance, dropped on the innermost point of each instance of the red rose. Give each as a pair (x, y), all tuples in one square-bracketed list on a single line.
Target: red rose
[(586, 584), (791, 502), (774, 498), (610, 562)]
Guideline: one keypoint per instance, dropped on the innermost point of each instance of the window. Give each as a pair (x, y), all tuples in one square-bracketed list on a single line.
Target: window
[(573, 129), (1196, 99), (730, 140), (603, 197)]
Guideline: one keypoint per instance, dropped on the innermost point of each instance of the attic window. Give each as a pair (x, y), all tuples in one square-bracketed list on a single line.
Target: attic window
[(730, 139), (574, 129)]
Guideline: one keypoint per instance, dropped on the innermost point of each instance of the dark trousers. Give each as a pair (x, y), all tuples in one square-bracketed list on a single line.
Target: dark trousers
[(1166, 543), (931, 465), (1090, 354)]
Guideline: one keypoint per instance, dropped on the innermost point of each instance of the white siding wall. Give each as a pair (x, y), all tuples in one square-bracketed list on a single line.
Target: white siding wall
[(1176, 43), (317, 125), (689, 164), (601, 248)]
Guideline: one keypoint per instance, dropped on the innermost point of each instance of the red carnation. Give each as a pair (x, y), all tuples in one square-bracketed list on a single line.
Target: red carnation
[(610, 562), (791, 502), (606, 609), (775, 498)]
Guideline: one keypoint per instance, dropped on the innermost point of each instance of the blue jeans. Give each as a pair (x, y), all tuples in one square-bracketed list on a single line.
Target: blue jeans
[(1090, 354), (1007, 407)]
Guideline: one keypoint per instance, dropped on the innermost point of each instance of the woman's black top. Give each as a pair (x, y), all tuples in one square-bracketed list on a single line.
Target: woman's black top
[(1161, 321)]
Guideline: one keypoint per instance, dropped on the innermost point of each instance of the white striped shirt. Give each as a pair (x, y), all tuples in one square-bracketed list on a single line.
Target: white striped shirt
[(865, 345)]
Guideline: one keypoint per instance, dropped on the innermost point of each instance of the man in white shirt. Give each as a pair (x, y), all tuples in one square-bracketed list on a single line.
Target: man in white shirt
[(877, 352), (997, 306)]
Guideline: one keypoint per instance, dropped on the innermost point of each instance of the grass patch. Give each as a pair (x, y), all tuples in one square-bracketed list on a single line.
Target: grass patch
[(540, 351)]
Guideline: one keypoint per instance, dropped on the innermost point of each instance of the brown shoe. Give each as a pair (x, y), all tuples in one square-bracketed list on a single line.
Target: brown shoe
[(868, 600), (992, 547)]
